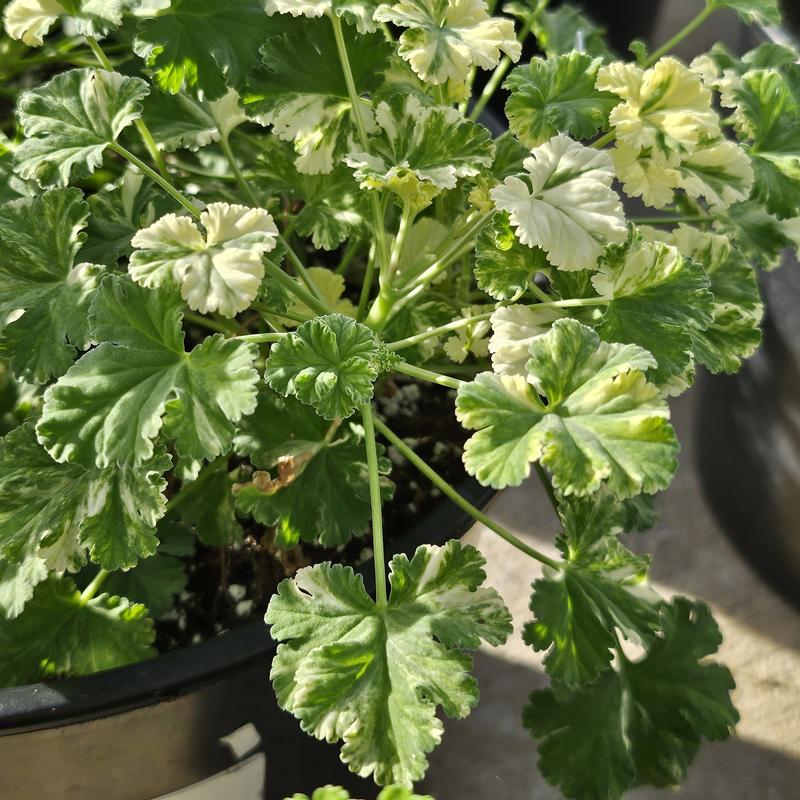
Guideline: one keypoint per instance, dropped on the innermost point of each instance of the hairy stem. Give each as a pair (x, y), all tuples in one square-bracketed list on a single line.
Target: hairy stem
[(154, 176), (260, 338), (694, 23), (427, 375), (355, 102), (91, 590), (670, 220), (141, 126), (375, 502), (244, 184), (460, 501), (429, 334), (295, 288)]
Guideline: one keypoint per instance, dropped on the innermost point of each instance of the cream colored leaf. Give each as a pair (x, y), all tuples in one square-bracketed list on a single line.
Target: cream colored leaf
[(567, 206), (514, 328)]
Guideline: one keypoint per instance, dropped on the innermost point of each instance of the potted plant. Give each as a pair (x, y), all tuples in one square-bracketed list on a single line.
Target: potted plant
[(244, 244)]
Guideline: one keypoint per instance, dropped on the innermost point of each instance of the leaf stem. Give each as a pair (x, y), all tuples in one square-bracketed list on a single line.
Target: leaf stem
[(154, 176), (294, 287), (244, 184), (540, 294), (406, 220), (375, 204), (205, 322), (460, 501), (260, 338), (429, 334), (375, 502), (141, 125), (427, 375), (604, 139), (694, 23), (91, 590)]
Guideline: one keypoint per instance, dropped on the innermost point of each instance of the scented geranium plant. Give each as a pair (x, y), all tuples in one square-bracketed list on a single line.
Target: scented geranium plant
[(224, 222)]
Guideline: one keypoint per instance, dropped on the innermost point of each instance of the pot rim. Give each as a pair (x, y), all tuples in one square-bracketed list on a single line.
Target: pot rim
[(187, 669)]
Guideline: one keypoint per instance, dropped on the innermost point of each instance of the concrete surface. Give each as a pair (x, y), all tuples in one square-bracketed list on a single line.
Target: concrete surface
[(489, 755)]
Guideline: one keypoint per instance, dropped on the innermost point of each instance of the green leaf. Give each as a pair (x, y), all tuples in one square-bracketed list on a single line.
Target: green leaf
[(39, 239), (306, 99), (656, 299), (374, 676), (504, 266), (182, 121), (220, 269), (557, 95), (758, 235), (329, 363), (108, 408), (761, 12), (31, 20), (333, 207), (72, 119), (420, 150), (734, 333), (57, 510), (58, 634), (314, 458), (643, 723), (17, 582), (601, 588), (566, 204), (565, 29), (584, 410), (119, 210), (201, 45), (769, 105), (153, 582), (207, 504)]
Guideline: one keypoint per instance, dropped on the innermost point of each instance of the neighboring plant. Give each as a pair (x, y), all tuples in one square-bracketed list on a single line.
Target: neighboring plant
[(337, 793), (278, 208)]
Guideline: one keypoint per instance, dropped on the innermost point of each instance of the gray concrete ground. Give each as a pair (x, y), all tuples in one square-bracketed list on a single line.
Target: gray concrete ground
[(489, 755)]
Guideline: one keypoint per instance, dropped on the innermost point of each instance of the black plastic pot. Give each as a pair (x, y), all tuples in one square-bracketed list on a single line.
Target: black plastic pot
[(748, 435), (146, 730)]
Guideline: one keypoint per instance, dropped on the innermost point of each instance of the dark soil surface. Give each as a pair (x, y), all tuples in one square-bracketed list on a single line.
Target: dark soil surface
[(231, 586)]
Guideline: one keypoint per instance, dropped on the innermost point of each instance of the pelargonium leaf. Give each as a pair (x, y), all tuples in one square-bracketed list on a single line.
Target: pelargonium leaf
[(72, 119), (308, 457), (31, 20), (566, 205), (61, 511), (182, 121), (656, 298), (108, 408), (566, 28), (444, 38), (373, 676), (665, 106), (762, 12), (557, 95), (601, 587), (337, 793), (734, 332), (584, 410), (39, 240), (153, 582), (503, 265), (60, 634), (17, 582), (219, 270), (202, 45), (329, 363), (768, 105), (513, 330), (642, 724), (306, 100), (420, 150)]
